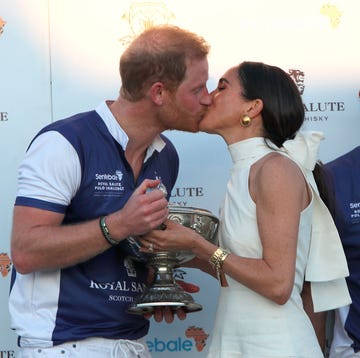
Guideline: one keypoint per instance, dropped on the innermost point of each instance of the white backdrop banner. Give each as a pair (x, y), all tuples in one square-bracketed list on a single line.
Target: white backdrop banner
[(58, 58)]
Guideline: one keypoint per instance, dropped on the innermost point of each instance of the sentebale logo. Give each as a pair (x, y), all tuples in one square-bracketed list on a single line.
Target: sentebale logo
[(2, 25), (5, 264)]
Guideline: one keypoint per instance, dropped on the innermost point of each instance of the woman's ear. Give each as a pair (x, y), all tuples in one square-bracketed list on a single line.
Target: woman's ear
[(255, 108), (157, 93)]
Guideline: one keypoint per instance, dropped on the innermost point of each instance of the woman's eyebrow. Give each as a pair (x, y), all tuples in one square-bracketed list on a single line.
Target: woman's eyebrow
[(223, 79)]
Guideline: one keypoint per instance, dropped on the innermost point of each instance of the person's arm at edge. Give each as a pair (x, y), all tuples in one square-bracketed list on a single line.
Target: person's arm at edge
[(318, 319)]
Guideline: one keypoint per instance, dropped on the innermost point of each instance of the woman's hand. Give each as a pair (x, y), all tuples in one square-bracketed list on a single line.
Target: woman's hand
[(174, 237)]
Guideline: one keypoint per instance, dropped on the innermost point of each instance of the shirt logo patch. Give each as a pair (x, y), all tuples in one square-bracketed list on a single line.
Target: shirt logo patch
[(109, 184), (354, 212)]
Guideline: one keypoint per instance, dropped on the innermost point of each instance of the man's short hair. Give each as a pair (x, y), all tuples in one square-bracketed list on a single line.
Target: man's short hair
[(160, 53)]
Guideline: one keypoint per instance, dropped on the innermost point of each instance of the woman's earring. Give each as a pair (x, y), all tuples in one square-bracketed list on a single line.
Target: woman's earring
[(245, 121)]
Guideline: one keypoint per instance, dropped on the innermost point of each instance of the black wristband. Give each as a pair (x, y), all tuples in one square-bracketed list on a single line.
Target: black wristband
[(106, 233)]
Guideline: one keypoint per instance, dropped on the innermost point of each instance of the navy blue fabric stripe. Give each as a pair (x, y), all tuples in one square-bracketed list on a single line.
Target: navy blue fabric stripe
[(40, 204)]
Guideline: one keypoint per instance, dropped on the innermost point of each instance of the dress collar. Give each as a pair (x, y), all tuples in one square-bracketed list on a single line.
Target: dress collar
[(248, 150), (303, 149)]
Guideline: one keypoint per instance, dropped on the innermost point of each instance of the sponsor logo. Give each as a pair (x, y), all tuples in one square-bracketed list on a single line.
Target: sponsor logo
[(109, 184), (196, 340), (172, 345), (119, 291), (3, 116), (179, 276), (355, 212), (198, 335), (123, 286), (187, 286), (319, 111), (315, 111), (143, 15), (180, 195), (2, 25), (299, 78), (5, 264), (117, 176), (333, 13)]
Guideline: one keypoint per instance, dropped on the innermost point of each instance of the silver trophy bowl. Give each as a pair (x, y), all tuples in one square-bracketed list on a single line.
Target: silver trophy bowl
[(164, 291)]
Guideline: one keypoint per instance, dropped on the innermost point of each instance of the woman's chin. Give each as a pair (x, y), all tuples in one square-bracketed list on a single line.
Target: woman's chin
[(206, 129), (203, 127)]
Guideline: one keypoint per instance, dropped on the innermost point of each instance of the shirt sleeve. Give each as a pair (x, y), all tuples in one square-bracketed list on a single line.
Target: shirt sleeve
[(50, 173)]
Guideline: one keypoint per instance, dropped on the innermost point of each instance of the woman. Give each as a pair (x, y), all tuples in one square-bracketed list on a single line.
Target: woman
[(272, 225)]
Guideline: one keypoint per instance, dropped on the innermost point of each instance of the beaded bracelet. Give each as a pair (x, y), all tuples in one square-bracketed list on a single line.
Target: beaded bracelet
[(217, 260), (106, 233)]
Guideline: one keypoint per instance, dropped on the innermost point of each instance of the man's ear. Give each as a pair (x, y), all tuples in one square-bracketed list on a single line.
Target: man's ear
[(157, 93), (255, 108)]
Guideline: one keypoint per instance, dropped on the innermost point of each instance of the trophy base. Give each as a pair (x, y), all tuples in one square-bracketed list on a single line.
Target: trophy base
[(172, 296), (143, 308)]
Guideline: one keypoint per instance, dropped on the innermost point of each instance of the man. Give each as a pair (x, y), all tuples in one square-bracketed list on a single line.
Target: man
[(345, 172), (83, 188)]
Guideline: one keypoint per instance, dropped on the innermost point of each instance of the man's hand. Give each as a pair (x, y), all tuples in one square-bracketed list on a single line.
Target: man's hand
[(145, 210), (166, 314)]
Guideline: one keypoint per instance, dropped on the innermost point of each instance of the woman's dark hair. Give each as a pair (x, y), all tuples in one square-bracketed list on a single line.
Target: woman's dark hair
[(283, 111)]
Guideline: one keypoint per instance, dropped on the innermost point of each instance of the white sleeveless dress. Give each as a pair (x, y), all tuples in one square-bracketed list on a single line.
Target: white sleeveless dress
[(247, 324)]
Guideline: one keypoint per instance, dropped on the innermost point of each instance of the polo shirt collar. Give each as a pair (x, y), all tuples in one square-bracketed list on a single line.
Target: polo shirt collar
[(119, 134)]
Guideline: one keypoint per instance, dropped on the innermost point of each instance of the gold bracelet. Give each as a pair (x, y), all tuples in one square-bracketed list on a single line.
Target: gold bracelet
[(217, 260)]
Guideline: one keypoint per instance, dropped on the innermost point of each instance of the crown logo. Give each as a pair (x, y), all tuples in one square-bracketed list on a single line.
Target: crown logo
[(143, 15), (298, 77)]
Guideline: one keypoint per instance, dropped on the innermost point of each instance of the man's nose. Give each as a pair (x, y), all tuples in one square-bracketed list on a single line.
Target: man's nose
[(206, 99)]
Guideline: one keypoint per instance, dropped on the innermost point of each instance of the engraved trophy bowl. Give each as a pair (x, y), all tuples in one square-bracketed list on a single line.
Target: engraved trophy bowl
[(164, 291)]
